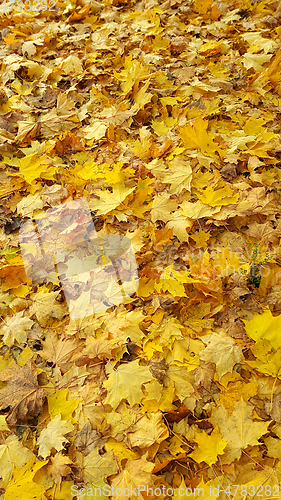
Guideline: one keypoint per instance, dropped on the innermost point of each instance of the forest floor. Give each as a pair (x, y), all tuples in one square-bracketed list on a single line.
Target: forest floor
[(140, 230)]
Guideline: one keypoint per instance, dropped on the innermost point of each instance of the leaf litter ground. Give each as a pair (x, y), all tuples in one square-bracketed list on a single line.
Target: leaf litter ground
[(165, 118)]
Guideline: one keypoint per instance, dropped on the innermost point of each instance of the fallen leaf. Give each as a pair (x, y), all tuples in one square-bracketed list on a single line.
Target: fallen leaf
[(22, 393)]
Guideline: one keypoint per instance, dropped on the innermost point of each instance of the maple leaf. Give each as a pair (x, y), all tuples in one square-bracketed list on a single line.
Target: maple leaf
[(162, 207), (120, 450), (22, 486), (52, 195), (264, 326), (53, 436), (12, 454), (149, 430), (60, 350), (22, 392), (239, 429), (197, 137), (179, 223), (209, 446), (218, 197), (125, 383), (88, 439), (255, 61), (182, 379), (32, 166), (28, 204), (203, 375), (15, 328), (110, 201), (172, 281), (72, 65), (268, 360), (222, 351), (29, 46), (97, 467), (136, 472), (59, 468), (95, 131), (14, 276), (45, 306), (58, 404)]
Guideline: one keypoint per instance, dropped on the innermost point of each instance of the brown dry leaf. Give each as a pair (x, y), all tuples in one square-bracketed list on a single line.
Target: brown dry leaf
[(59, 468), (22, 393), (59, 350), (204, 374), (88, 439), (53, 195), (273, 408)]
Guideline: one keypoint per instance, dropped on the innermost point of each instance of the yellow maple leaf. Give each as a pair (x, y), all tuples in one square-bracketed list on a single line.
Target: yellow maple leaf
[(209, 446), (273, 447), (53, 436), (150, 429), (197, 137), (226, 262), (267, 362), (255, 61), (179, 223), (28, 204), (95, 131), (159, 127), (239, 429), (22, 486), (72, 66), (264, 326), (172, 281), (12, 454), (181, 356), (179, 175), (15, 328), (91, 170), (59, 467), (110, 201), (32, 166), (162, 207), (96, 467), (218, 197), (133, 72), (45, 306), (58, 403), (201, 238), (222, 351), (125, 382), (120, 450), (197, 210), (135, 474), (206, 7)]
